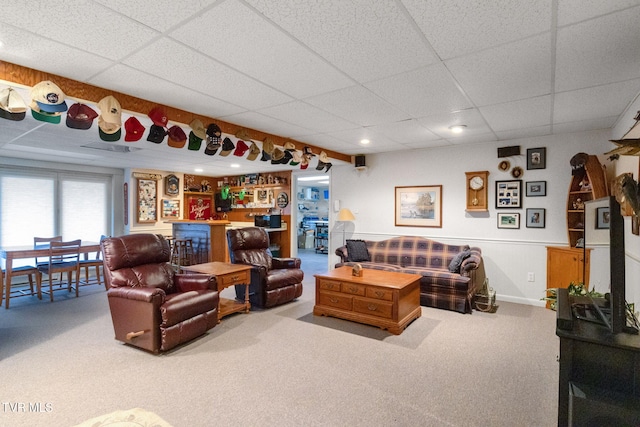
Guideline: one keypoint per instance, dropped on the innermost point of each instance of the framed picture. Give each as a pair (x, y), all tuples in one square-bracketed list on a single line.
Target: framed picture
[(536, 188), (147, 200), (536, 217), (200, 207), (537, 158), (602, 217), (419, 206), (509, 194), (508, 220), (171, 185), (170, 208)]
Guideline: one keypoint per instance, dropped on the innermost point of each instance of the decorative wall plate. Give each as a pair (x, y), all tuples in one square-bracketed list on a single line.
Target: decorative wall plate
[(504, 165), (517, 172)]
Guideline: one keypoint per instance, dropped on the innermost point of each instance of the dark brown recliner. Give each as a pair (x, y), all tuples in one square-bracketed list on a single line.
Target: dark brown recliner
[(151, 306), (274, 281)]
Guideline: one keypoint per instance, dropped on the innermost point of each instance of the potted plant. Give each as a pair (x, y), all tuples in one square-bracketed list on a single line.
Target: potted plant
[(574, 289)]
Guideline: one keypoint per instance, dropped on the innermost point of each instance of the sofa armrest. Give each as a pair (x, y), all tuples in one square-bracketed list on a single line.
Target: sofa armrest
[(151, 295), (286, 263), (195, 282), (472, 262), (342, 253)]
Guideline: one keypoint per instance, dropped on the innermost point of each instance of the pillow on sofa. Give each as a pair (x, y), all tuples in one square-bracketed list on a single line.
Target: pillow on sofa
[(357, 250), (456, 262)]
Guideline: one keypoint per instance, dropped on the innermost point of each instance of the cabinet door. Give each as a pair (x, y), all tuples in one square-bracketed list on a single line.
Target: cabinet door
[(566, 265)]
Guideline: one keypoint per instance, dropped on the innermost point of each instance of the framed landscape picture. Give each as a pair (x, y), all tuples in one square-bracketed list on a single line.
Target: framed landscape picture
[(508, 220), (536, 188), (419, 206), (509, 194), (536, 218)]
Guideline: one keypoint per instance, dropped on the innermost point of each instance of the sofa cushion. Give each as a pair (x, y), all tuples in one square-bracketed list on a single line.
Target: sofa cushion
[(456, 262), (357, 251)]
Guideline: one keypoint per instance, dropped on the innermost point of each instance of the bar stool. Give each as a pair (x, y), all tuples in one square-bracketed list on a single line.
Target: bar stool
[(181, 253)]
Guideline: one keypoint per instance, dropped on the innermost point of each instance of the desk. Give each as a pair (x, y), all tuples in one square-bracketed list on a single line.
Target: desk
[(10, 253), (227, 275)]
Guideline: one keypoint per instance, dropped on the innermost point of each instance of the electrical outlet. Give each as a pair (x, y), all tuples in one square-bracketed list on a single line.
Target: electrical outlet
[(531, 277)]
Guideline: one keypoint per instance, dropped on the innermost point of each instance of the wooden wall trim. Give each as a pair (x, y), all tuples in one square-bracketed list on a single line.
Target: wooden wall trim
[(82, 91)]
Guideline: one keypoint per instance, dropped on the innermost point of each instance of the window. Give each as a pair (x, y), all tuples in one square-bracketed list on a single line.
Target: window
[(75, 206)]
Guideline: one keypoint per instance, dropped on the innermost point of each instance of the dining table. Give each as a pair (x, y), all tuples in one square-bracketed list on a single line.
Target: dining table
[(10, 253)]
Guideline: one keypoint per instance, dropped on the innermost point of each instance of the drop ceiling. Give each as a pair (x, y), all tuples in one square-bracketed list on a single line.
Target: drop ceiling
[(330, 73)]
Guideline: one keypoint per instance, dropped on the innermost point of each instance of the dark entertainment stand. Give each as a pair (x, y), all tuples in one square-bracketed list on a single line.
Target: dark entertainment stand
[(599, 382)]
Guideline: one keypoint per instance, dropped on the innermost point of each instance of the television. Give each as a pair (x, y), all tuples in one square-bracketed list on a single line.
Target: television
[(610, 312)]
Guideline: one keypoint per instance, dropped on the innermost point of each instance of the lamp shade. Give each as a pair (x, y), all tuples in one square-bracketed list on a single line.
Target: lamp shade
[(345, 215)]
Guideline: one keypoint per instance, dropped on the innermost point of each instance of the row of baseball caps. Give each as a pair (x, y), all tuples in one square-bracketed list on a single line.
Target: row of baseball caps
[(48, 103)]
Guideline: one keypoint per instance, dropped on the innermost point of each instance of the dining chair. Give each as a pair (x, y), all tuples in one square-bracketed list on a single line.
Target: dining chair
[(43, 243), (96, 261), (25, 270), (64, 257)]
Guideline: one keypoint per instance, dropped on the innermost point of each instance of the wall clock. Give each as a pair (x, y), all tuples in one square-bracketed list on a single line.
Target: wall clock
[(477, 197)]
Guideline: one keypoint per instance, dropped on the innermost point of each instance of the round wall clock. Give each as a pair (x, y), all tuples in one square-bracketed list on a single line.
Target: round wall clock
[(477, 191)]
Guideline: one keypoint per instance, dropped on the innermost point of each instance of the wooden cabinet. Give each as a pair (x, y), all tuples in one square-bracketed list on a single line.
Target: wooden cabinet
[(587, 183), (566, 265)]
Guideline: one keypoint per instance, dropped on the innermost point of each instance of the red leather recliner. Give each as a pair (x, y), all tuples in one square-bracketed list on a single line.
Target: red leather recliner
[(151, 306), (274, 281)]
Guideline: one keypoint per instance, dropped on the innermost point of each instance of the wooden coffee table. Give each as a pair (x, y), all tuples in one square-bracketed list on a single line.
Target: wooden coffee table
[(385, 299), (227, 275)]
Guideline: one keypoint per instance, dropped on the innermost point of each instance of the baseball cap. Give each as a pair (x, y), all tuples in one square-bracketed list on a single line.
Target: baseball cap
[(43, 116), (158, 117), (133, 129), (267, 149), (110, 119), (214, 134), (198, 129), (195, 142), (289, 146), (254, 151), (177, 137), (296, 158), (80, 116), (227, 147), (12, 106), (49, 97), (241, 148), (156, 134)]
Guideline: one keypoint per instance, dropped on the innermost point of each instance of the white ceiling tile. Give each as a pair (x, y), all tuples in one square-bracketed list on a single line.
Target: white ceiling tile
[(473, 138), (236, 35), (459, 27), (506, 73), (132, 82), (422, 92), (523, 133), (598, 51), (302, 114), (526, 113), (358, 105), (29, 50), (572, 11), (82, 24), (257, 121), (368, 40), (594, 102), (161, 14), (354, 136), (584, 125), (179, 64), (406, 132)]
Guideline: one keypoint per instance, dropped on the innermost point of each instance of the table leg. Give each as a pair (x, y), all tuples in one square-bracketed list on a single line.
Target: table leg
[(247, 304)]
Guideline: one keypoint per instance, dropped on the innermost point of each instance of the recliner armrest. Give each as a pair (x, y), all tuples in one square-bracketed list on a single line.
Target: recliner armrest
[(342, 253), (278, 263), (154, 295), (195, 282)]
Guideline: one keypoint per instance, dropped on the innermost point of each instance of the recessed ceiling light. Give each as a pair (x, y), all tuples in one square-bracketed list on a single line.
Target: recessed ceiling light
[(235, 165), (364, 141), (312, 178), (199, 170), (457, 128)]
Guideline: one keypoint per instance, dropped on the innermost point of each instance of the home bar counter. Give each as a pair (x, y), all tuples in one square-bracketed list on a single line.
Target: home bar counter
[(209, 238)]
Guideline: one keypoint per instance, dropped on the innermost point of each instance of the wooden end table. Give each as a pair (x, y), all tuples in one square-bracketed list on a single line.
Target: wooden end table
[(227, 275), (385, 299)]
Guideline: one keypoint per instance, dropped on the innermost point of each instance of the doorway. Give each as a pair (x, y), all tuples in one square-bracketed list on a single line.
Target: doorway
[(312, 203)]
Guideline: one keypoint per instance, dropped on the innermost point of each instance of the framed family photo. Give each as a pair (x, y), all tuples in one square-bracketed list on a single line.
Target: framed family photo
[(536, 188), (537, 158), (508, 220), (419, 206), (536, 218), (509, 194), (602, 217)]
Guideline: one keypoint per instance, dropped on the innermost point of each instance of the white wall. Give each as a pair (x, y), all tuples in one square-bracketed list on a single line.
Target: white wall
[(509, 254)]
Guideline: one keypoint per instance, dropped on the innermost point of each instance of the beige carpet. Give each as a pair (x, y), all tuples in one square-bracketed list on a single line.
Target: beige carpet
[(130, 418)]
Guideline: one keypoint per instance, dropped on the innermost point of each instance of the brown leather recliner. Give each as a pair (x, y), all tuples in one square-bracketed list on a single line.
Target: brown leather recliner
[(274, 281), (152, 307)]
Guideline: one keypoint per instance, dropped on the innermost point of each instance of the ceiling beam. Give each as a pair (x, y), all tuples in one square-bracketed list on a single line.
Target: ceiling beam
[(82, 91)]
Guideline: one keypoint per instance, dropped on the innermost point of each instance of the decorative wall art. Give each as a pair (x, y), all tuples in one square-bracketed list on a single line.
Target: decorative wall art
[(537, 158), (536, 188), (171, 185), (200, 207), (509, 194), (147, 200), (602, 217), (536, 218), (170, 208), (419, 206), (508, 220)]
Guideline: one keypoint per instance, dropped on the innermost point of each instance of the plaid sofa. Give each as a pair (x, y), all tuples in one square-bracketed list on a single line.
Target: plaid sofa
[(439, 287)]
